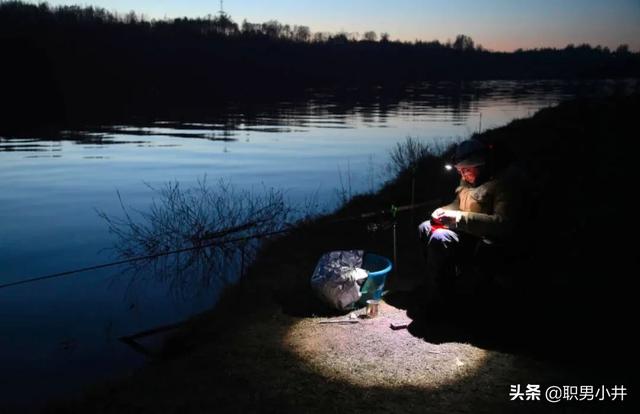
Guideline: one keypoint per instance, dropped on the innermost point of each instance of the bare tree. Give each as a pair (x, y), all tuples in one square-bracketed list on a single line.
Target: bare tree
[(321, 37), (622, 49), (272, 28), (370, 36), (250, 28), (406, 155), (301, 33), (216, 228), (131, 17), (463, 43), (224, 25)]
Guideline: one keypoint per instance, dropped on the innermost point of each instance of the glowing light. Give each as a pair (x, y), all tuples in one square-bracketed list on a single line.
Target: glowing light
[(370, 354)]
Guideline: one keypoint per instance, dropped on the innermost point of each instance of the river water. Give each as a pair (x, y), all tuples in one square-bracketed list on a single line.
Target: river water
[(60, 334)]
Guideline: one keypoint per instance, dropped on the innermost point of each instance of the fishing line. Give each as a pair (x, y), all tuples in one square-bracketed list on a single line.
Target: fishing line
[(137, 259), (393, 211)]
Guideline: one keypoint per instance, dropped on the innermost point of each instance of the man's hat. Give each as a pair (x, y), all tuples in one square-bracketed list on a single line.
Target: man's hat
[(470, 153)]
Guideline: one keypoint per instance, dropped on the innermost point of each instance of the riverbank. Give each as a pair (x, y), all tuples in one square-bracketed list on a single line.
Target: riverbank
[(263, 349)]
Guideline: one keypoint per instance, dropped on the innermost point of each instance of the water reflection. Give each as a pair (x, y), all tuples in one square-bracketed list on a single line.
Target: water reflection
[(26, 145), (444, 102)]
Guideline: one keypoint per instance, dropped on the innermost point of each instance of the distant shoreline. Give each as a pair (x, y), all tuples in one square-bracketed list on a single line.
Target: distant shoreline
[(72, 65)]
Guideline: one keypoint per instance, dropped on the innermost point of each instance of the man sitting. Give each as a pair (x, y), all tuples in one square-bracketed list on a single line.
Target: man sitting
[(485, 213)]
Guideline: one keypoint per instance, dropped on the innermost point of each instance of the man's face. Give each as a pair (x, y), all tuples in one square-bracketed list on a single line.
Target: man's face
[(469, 174)]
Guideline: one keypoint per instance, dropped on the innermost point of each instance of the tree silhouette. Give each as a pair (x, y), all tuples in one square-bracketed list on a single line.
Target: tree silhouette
[(301, 33), (622, 49), (370, 36), (224, 25), (463, 43), (69, 64)]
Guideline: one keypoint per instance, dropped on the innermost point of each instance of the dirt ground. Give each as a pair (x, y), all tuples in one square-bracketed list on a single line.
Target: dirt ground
[(286, 353), (272, 362)]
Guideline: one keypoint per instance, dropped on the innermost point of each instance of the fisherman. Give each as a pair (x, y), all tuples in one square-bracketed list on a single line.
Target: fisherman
[(465, 234)]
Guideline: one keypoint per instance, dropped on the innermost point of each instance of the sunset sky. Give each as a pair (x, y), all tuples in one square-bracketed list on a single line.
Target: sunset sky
[(496, 24)]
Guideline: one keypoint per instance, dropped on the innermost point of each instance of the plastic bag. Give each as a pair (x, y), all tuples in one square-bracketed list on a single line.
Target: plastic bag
[(337, 278)]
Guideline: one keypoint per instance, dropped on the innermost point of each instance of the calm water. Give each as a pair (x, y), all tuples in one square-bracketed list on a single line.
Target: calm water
[(60, 334)]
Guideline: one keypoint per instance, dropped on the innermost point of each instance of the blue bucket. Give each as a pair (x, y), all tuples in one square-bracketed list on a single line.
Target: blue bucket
[(378, 268)]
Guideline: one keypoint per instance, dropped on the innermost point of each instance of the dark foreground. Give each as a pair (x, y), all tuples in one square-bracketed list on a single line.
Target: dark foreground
[(559, 315)]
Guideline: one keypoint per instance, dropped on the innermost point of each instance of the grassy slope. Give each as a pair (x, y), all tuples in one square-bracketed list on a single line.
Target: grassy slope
[(263, 350)]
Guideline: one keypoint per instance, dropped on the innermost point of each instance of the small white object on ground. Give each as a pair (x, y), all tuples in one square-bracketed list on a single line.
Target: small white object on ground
[(399, 325)]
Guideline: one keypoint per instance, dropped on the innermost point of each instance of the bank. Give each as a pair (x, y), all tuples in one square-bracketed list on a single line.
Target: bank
[(567, 321)]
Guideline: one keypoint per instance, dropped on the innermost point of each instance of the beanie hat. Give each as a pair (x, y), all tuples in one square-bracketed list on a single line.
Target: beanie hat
[(470, 153)]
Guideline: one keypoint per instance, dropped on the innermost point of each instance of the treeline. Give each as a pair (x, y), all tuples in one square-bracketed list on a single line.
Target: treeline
[(71, 64)]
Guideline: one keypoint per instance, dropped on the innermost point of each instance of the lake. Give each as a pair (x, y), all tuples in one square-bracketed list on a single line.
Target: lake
[(62, 333)]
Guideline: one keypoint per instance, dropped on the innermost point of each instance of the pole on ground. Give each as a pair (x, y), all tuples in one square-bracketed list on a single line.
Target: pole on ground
[(394, 215)]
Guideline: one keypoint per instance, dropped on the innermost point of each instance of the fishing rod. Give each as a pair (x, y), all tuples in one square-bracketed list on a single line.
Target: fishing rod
[(393, 211), (139, 258)]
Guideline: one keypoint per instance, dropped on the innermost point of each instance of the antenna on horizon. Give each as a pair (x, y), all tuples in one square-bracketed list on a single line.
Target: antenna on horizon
[(221, 8)]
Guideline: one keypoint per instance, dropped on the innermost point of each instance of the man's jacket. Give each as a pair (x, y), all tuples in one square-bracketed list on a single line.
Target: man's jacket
[(493, 209)]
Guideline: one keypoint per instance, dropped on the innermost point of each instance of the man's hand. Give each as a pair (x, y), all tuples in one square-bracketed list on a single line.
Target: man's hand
[(448, 218), (437, 213), (435, 217)]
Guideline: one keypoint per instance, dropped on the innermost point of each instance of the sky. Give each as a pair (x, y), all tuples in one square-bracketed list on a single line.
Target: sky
[(502, 25)]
